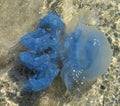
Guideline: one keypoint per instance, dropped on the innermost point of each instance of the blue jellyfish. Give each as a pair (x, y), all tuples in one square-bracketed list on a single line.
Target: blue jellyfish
[(79, 56)]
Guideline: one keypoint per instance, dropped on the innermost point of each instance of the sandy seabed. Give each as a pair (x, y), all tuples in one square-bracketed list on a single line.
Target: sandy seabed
[(18, 17)]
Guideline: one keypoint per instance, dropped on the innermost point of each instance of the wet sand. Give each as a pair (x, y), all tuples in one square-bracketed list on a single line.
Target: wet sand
[(19, 17)]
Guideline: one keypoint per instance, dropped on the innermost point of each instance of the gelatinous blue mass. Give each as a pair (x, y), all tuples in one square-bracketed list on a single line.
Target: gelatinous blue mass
[(84, 54), (42, 45)]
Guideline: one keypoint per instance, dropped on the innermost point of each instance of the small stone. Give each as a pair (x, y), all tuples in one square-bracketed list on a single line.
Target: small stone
[(102, 87)]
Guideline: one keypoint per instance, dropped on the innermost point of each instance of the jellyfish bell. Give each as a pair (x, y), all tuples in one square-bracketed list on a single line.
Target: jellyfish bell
[(85, 57)]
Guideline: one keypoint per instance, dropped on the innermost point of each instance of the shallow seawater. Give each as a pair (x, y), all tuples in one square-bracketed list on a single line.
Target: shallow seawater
[(19, 17)]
